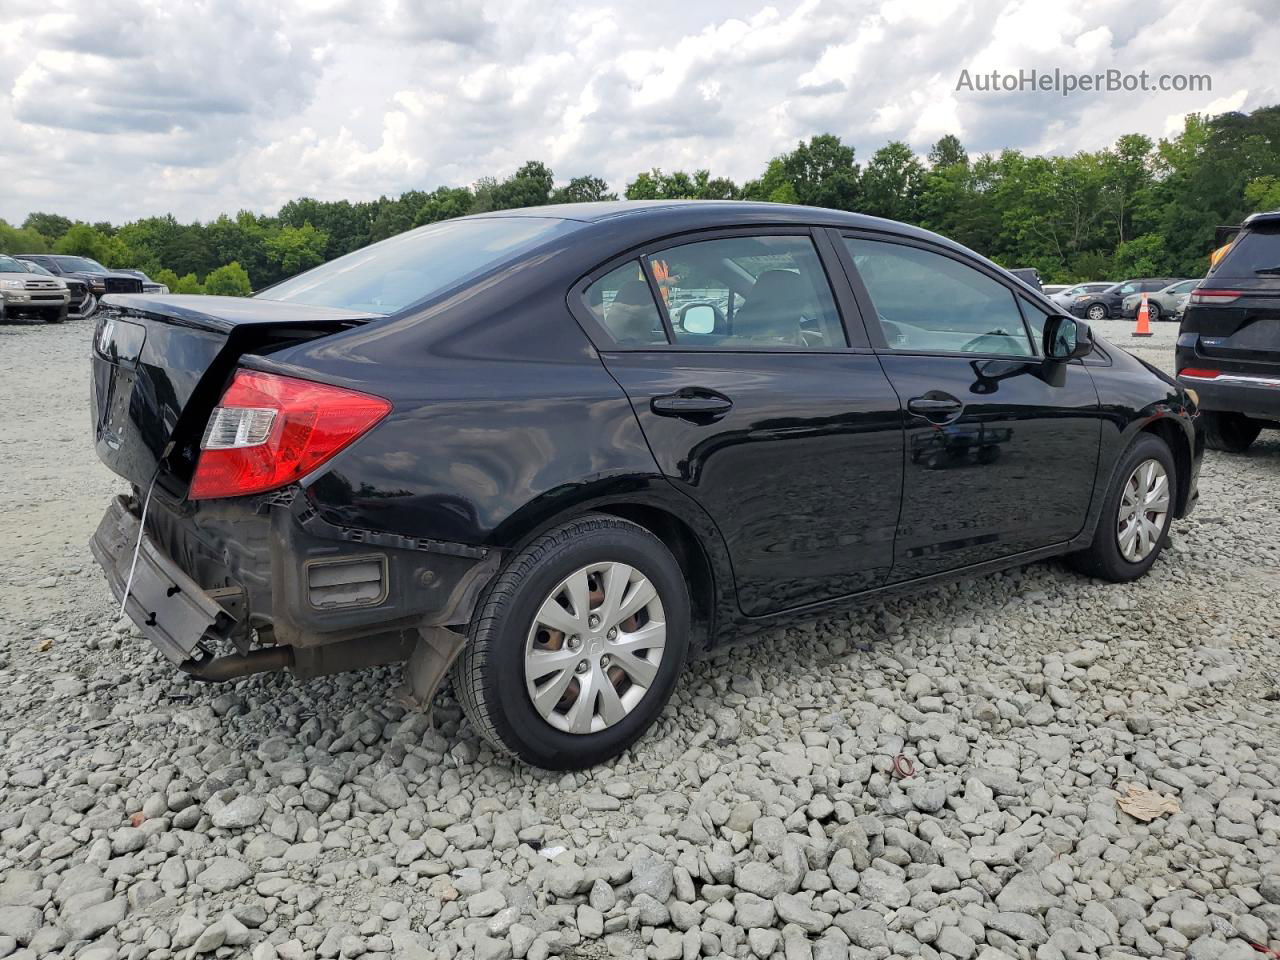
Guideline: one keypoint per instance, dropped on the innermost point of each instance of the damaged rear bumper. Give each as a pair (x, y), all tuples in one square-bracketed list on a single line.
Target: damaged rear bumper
[(268, 571)]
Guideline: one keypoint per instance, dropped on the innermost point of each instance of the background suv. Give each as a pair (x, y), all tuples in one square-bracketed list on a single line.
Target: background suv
[(81, 302), (1065, 297), (99, 279), (1164, 304), (1108, 303), (1229, 342), (23, 294)]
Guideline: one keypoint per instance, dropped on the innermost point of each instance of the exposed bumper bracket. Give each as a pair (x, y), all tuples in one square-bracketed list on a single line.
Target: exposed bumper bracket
[(430, 661)]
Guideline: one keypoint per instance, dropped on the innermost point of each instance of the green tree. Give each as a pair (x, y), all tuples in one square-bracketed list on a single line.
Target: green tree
[(948, 152), (444, 203), (1140, 257), (21, 240), (167, 277), (823, 173), (187, 284), (51, 226), (228, 281), (295, 249), (892, 183), (1263, 194), (583, 190)]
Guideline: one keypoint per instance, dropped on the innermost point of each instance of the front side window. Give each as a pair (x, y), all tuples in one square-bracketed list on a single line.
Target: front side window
[(623, 305), (748, 292), (930, 303)]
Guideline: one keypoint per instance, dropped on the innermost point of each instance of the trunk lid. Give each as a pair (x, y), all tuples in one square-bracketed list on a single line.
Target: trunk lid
[(160, 365)]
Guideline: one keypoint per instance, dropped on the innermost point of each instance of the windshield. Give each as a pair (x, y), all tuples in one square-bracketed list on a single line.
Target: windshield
[(388, 276), (1256, 253), (10, 265), (81, 265), (36, 268)]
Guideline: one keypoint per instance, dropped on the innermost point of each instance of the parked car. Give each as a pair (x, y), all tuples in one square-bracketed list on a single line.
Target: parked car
[(1164, 304), (1108, 303), (24, 295), (1229, 342), (1049, 289), (81, 302), (148, 285), (1028, 275), (490, 442), (1065, 298), (99, 279)]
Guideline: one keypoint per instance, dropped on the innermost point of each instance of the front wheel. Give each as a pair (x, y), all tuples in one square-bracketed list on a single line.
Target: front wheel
[(1136, 514), (1230, 432), (56, 316), (1097, 312), (577, 645), (1153, 311)]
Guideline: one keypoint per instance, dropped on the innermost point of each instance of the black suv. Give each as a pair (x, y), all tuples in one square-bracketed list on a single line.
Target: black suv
[(1229, 342), (1109, 303)]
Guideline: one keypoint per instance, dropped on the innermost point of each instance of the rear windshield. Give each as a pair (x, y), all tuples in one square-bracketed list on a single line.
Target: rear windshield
[(388, 276), (1256, 253)]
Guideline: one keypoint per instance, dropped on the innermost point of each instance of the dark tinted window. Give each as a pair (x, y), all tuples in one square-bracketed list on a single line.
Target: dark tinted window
[(758, 291), (623, 305), (1255, 253), (932, 303), (388, 276)]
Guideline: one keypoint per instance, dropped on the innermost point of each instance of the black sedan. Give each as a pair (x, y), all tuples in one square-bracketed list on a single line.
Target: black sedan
[(560, 449)]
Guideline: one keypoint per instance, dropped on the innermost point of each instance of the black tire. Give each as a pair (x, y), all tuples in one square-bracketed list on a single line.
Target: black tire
[(1153, 311), (1103, 558), (1230, 432), (57, 316), (489, 675), (1096, 312)]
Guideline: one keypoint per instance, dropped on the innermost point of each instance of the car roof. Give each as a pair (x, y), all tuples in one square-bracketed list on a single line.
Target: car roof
[(641, 219), (1268, 216)]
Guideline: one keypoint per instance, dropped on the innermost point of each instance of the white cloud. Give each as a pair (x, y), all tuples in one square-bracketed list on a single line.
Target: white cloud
[(122, 108)]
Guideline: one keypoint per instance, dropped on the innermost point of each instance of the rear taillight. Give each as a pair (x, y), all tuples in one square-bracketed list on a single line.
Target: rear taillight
[(268, 431), (1199, 373), (1214, 298)]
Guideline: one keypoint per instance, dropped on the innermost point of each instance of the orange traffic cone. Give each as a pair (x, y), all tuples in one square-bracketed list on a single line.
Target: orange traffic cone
[(1143, 329)]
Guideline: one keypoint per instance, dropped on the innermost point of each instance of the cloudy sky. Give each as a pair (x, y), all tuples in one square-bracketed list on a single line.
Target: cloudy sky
[(114, 109)]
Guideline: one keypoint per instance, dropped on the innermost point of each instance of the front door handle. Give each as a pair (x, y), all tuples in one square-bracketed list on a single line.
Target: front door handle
[(691, 403), (936, 406)]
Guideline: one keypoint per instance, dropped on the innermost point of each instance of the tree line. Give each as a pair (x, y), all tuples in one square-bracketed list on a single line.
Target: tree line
[(1137, 208)]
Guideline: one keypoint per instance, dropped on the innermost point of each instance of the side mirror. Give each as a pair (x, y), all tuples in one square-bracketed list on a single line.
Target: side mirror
[(698, 318), (1066, 338)]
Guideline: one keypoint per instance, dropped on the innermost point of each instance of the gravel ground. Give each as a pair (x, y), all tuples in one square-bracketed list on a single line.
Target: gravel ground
[(142, 815)]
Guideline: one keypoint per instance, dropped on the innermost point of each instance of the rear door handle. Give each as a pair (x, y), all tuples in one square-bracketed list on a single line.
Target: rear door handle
[(936, 406), (691, 403)]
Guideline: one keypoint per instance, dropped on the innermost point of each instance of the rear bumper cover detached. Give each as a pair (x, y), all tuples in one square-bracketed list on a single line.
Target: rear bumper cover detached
[(227, 573)]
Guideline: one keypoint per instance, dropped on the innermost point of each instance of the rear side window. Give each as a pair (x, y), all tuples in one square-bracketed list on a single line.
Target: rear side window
[(762, 292), (623, 305), (387, 276), (930, 303), (1256, 253)]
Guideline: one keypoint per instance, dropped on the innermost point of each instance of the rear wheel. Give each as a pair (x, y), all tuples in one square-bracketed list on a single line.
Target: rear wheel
[(1232, 432), (1136, 514), (578, 644)]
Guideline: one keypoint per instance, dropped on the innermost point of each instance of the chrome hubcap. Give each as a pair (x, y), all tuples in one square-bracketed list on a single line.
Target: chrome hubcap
[(1144, 506), (594, 647)]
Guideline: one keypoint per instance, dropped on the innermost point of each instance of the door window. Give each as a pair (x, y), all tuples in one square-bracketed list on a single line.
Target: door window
[(736, 292), (930, 303), (623, 305)]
